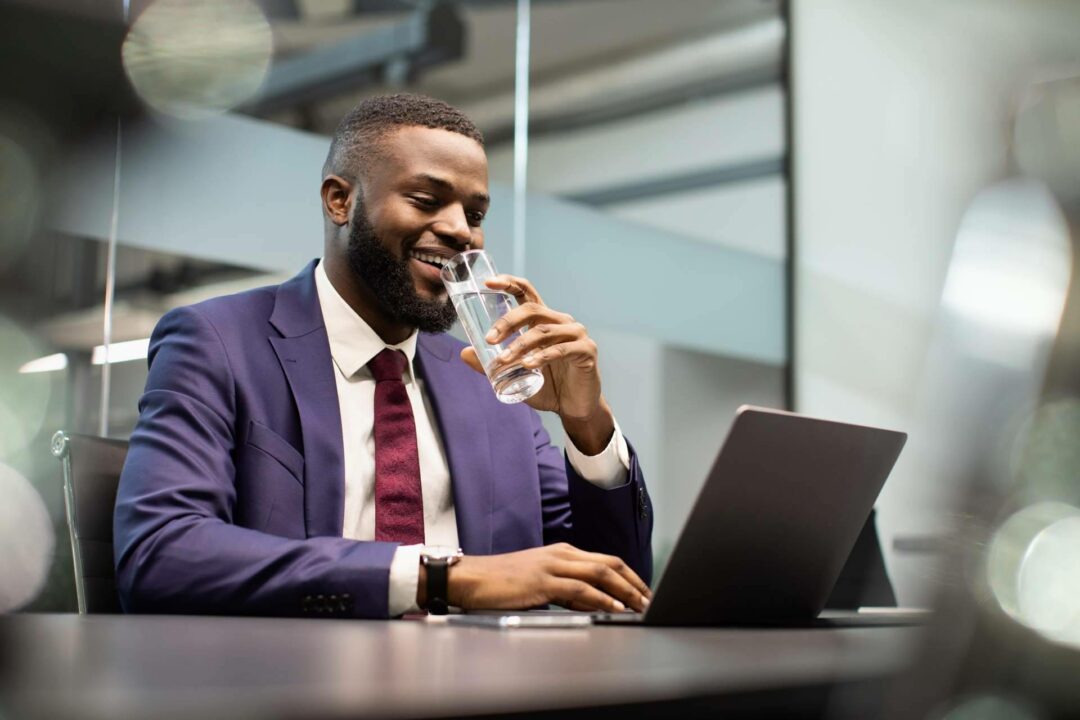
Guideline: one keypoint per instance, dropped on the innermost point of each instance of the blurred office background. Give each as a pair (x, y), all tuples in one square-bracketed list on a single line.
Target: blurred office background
[(746, 201)]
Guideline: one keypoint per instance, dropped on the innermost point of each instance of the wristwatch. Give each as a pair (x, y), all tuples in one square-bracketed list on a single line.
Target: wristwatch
[(437, 559)]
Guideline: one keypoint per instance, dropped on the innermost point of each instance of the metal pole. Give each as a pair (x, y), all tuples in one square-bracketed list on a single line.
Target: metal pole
[(521, 133), (110, 278)]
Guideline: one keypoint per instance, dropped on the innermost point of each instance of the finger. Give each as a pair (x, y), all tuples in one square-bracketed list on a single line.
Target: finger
[(581, 351), (580, 595), (619, 565), (603, 577), (540, 336), (570, 553), (522, 290), (527, 314), (468, 355)]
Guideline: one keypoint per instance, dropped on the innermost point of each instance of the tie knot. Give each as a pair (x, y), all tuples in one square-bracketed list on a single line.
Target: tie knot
[(388, 365)]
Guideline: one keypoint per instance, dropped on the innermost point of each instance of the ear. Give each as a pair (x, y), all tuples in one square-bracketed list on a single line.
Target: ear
[(337, 199)]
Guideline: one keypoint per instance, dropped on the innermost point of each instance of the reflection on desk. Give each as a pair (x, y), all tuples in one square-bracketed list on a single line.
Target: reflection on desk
[(116, 667)]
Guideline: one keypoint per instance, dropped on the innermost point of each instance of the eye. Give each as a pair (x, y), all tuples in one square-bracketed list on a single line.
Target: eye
[(475, 217), (424, 201)]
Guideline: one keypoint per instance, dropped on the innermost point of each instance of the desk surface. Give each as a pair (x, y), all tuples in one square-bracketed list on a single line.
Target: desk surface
[(62, 666)]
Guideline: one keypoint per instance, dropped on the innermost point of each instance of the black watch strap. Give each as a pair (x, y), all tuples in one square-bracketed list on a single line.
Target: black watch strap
[(437, 586)]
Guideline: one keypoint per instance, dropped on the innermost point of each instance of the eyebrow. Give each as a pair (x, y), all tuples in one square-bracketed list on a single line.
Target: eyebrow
[(449, 186)]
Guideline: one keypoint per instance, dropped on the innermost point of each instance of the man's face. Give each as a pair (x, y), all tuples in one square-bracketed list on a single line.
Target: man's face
[(421, 205)]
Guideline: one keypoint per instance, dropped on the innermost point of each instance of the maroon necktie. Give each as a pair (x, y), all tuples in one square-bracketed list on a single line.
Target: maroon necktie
[(399, 504)]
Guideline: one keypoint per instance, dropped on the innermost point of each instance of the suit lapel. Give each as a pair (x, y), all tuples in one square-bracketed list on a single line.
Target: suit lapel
[(465, 436), (304, 354)]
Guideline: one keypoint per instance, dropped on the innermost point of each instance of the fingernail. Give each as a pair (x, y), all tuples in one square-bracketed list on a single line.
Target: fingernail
[(504, 355), (644, 601), (490, 337), (619, 607)]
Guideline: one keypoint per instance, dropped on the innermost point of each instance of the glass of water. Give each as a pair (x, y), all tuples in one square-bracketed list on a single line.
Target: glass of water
[(478, 307)]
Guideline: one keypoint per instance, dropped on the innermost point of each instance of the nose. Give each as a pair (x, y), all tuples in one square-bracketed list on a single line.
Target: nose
[(452, 226)]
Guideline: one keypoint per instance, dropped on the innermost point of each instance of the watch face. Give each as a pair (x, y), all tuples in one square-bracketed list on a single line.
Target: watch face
[(441, 552)]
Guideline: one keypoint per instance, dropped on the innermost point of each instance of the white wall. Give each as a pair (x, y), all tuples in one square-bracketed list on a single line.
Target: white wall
[(900, 117), (750, 216)]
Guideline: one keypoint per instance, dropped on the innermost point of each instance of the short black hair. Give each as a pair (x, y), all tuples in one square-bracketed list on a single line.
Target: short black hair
[(356, 139)]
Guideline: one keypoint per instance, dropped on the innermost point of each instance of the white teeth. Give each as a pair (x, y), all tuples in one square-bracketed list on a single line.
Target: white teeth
[(428, 258)]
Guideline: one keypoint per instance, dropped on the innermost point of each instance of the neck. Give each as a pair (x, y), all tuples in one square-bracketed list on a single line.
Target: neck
[(363, 302)]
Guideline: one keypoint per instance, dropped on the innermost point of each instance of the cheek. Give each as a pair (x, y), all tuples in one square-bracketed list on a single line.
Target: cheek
[(388, 221)]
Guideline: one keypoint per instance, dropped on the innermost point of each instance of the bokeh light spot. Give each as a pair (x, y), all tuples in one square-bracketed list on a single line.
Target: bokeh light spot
[(1049, 582), (989, 707), (1046, 459), (24, 398), (27, 537), (197, 58), (1046, 134), (1032, 569), (20, 188)]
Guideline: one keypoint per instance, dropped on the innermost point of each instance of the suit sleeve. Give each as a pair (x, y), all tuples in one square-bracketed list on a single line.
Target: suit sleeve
[(176, 547), (616, 521)]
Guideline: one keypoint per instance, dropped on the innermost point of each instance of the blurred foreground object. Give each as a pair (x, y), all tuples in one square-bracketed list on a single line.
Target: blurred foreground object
[(1046, 134), (197, 58), (27, 539), (1006, 641)]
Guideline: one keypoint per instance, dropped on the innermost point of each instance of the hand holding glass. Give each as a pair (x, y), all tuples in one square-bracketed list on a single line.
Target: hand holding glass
[(478, 307)]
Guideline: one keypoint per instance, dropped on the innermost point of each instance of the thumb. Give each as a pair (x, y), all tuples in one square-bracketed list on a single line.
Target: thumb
[(468, 356)]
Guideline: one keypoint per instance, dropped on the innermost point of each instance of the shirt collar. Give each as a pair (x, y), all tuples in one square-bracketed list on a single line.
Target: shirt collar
[(352, 341)]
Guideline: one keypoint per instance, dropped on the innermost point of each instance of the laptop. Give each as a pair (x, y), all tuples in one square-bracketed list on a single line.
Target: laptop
[(771, 528)]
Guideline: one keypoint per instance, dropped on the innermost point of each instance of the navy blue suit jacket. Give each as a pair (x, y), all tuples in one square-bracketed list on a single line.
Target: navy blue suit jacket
[(232, 497)]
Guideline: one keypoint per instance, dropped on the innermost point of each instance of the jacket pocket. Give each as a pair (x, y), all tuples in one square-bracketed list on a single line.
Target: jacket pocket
[(264, 439)]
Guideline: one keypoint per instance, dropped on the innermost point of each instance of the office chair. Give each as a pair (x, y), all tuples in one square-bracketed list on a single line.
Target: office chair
[(92, 468)]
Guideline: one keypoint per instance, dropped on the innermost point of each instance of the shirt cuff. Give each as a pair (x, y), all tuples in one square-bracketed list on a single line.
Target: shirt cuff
[(609, 468), (404, 577)]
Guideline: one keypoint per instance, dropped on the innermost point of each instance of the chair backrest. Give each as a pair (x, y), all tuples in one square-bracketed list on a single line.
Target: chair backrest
[(92, 468)]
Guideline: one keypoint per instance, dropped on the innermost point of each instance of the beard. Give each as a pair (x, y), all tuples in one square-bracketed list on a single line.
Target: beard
[(390, 281)]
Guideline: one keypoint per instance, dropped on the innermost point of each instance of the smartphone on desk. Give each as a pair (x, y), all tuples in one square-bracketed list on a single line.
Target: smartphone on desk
[(533, 619)]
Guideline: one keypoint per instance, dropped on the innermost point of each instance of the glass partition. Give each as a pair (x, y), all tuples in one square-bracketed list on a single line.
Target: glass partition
[(655, 181), (657, 216)]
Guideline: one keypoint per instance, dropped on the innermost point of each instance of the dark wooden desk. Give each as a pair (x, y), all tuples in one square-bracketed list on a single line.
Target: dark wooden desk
[(66, 666)]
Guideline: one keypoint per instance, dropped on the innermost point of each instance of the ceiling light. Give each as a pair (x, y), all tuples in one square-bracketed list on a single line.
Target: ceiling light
[(121, 352), (49, 363)]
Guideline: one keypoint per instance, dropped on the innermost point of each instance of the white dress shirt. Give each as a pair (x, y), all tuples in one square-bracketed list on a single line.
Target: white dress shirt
[(352, 344)]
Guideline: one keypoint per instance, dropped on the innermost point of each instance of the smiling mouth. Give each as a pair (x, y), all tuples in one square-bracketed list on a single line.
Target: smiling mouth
[(436, 261)]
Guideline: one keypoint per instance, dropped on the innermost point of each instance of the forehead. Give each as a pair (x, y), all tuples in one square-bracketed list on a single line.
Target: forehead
[(410, 151)]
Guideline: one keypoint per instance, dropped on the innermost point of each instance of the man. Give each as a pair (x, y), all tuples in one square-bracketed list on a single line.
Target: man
[(303, 448)]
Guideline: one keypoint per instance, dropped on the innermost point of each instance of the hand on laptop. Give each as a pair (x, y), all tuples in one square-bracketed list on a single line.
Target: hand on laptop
[(560, 574)]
